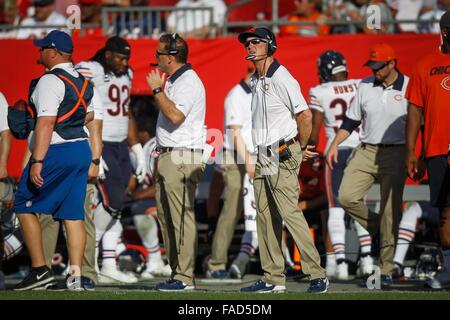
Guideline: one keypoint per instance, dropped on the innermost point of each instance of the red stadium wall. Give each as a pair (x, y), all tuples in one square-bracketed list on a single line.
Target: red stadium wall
[(220, 64)]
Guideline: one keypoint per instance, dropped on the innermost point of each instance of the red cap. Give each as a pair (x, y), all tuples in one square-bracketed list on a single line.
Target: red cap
[(379, 55)]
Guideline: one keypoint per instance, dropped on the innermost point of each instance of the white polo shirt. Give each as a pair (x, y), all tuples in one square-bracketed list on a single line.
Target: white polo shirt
[(186, 90), (3, 113), (276, 99), (382, 111), (189, 20), (47, 97), (238, 112)]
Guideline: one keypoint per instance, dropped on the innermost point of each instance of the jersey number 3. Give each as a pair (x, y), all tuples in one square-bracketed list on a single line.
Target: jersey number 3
[(114, 96), (340, 116)]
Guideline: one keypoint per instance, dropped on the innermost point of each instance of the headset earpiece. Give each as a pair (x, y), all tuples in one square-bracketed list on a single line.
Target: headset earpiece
[(271, 42), (173, 44)]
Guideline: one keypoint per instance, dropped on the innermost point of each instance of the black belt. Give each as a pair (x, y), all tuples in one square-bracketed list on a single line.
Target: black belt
[(381, 145), (288, 143), (162, 150)]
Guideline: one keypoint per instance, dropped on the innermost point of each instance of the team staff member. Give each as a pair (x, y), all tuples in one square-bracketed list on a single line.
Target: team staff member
[(429, 95), (380, 104), (5, 146), (279, 115), (180, 138), (236, 163), (50, 227), (54, 181)]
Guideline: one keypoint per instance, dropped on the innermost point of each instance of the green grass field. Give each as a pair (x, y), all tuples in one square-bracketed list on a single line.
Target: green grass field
[(208, 289)]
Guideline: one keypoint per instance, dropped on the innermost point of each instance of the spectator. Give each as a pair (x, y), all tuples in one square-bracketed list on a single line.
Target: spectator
[(435, 14), (407, 10), (134, 25), (10, 17), (358, 11), (45, 15), (196, 23), (307, 10)]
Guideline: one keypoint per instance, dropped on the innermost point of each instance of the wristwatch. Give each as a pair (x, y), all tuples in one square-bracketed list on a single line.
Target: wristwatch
[(157, 90), (96, 161), (33, 161)]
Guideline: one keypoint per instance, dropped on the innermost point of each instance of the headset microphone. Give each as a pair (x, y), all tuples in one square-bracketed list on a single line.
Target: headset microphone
[(254, 56)]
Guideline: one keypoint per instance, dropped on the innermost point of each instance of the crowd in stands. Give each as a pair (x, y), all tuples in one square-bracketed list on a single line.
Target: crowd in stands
[(21, 18)]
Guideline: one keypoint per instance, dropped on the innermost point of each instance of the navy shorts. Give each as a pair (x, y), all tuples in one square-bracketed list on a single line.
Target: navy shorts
[(439, 176), (65, 174), (333, 178), (142, 206), (117, 158)]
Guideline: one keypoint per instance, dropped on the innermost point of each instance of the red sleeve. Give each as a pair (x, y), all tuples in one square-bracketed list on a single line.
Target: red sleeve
[(415, 92)]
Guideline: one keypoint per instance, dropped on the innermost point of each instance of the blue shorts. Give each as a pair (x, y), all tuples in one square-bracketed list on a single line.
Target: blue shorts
[(439, 179), (333, 178), (141, 206), (117, 158), (65, 174)]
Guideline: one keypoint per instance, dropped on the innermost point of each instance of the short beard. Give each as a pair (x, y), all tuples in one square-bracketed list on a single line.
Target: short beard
[(120, 73)]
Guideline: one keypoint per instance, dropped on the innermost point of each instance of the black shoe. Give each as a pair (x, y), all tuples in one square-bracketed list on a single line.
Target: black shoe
[(38, 279), (87, 283), (440, 281), (386, 282)]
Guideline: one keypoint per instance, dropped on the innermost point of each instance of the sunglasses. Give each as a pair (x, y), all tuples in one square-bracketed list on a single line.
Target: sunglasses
[(254, 42), (383, 66), (162, 54), (48, 47)]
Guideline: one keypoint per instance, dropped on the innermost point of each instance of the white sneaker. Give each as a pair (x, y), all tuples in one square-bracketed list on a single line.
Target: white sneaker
[(342, 271), (366, 265), (112, 275), (331, 267), (159, 269), (145, 275)]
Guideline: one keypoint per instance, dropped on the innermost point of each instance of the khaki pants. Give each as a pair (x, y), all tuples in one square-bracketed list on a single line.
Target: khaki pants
[(385, 165), (233, 176), (276, 198), (50, 231), (176, 182)]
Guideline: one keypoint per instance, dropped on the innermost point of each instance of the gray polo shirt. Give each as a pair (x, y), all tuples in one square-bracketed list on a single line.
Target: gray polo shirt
[(276, 100), (382, 111)]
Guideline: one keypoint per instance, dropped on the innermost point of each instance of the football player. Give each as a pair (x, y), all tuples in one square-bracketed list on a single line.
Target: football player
[(329, 100), (111, 75)]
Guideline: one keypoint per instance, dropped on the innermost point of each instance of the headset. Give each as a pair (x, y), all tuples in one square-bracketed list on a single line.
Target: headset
[(271, 42), (173, 44)]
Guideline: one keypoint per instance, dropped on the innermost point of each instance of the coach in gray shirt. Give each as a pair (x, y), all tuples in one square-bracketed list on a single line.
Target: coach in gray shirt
[(380, 106)]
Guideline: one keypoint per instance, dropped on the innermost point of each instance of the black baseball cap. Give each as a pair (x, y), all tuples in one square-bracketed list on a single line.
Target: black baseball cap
[(118, 45), (445, 20), (262, 33), (42, 3)]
